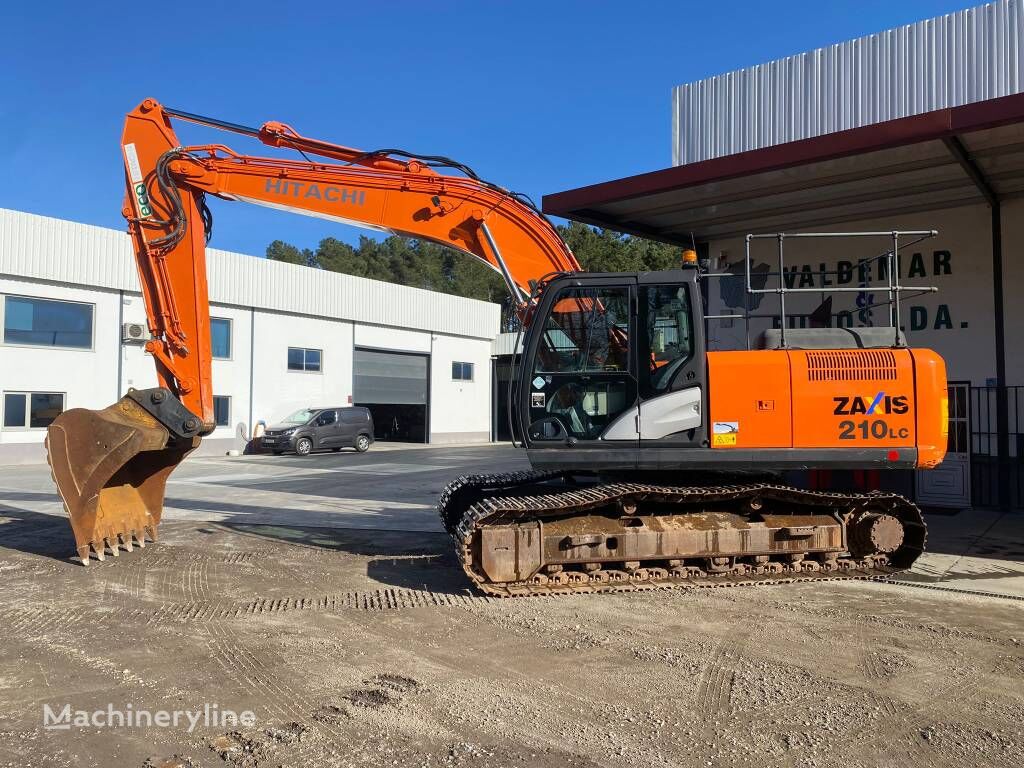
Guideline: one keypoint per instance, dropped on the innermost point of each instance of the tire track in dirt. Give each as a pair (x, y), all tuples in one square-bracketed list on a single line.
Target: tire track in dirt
[(870, 667), (195, 583), (40, 618), (902, 718), (715, 692), (958, 699), (33, 622), (253, 674), (223, 651)]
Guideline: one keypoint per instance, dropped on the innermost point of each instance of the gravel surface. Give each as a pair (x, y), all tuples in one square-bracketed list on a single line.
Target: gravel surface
[(364, 648)]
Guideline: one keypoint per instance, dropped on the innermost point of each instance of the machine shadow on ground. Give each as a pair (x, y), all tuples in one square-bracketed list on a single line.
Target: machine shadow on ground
[(412, 560), (424, 560), (409, 560), (35, 533)]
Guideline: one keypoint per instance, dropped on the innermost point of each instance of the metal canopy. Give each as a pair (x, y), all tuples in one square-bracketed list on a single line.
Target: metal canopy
[(949, 157)]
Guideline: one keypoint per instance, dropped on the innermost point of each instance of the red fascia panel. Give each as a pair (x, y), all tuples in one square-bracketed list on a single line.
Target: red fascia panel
[(868, 138)]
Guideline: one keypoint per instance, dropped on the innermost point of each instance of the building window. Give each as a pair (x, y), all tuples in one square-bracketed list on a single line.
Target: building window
[(222, 410), (220, 337), (462, 371), (31, 410), (301, 359), (47, 323)]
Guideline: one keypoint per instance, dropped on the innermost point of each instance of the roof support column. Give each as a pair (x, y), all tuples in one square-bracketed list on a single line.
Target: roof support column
[(963, 157)]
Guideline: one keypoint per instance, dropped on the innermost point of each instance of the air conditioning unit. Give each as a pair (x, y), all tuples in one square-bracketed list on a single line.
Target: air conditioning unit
[(134, 333)]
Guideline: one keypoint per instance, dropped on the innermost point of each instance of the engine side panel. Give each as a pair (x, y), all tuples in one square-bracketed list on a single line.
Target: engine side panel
[(808, 399), (855, 398), (750, 399)]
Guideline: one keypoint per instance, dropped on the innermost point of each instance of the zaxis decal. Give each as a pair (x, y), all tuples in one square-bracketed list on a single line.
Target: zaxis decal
[(880, 403)]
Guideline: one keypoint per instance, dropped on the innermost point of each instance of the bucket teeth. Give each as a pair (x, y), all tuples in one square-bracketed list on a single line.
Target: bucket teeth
[(100, 554), (126, 540), (115, 550)]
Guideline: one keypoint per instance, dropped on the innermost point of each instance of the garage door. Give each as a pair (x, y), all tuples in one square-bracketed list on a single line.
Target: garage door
[(395, 387), (390, 377)]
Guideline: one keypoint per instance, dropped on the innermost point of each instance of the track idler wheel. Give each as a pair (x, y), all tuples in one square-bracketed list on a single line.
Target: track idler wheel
[(876, 533), (111, 469)]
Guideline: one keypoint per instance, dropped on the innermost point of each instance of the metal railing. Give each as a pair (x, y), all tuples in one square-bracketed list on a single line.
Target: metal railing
[(996, 481), (894, 288)]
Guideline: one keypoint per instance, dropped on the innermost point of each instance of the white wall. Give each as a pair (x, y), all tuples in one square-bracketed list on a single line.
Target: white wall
[(958, 58), (1013, 288), (88, 378), (230, 377), (34, 262), (399, 340), (278, 391), (460, 411), (137, 368)]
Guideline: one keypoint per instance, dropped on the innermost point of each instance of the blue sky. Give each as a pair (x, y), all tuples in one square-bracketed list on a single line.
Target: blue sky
[(537, 96)]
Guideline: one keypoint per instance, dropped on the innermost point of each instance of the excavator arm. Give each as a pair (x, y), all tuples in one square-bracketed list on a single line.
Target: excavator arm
[(165, 205), (111, 466)]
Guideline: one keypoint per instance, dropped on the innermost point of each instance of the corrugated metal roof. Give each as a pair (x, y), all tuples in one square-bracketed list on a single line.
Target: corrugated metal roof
[(960, 58), (62, 251), (899, 166)]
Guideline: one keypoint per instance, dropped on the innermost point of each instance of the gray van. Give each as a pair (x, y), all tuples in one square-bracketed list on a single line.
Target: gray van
[(316, 429)]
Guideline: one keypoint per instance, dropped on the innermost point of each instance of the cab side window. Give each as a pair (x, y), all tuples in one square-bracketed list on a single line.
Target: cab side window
[(667, 340), (325, 418), (587, 331)]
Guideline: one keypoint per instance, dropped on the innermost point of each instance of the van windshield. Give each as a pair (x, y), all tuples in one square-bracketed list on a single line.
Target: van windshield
[(299, 417)]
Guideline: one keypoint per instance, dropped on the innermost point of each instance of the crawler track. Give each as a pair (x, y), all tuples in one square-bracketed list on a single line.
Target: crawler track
[(471, 503)]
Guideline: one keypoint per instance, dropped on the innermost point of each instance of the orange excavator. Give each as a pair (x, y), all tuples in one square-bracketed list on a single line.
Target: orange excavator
[(655, 461)]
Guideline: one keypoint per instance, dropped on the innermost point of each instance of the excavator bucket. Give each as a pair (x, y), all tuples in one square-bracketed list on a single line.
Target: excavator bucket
[(111, 469)]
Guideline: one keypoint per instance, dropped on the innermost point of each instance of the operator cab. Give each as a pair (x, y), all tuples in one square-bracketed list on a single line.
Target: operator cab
[(611, 362)]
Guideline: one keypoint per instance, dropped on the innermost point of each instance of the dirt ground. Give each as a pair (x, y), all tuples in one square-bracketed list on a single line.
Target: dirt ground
[(364, 648)]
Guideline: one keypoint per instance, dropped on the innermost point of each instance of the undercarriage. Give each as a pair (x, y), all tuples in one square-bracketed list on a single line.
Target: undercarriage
[(533, 533)]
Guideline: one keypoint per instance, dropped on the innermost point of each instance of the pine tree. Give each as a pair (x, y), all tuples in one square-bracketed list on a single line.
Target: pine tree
[(424, 264)]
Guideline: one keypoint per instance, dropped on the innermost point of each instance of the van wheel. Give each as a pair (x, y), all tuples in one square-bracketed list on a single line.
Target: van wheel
[(303, 446), (362, 443)]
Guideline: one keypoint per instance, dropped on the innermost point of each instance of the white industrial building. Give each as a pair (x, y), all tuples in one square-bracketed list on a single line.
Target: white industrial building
[(285, 337)]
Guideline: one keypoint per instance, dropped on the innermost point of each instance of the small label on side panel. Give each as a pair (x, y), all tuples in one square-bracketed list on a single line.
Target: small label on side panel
[(724, 433)]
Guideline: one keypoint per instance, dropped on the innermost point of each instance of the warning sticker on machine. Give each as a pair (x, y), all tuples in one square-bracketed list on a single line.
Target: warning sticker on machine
[(537, 399), (724, 432)]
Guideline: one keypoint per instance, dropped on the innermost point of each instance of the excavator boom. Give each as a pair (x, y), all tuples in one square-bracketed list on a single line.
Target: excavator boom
[(111, 466)]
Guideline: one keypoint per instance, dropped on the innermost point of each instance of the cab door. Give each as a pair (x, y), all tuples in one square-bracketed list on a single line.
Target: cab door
[(671, 361), (578, 389)]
